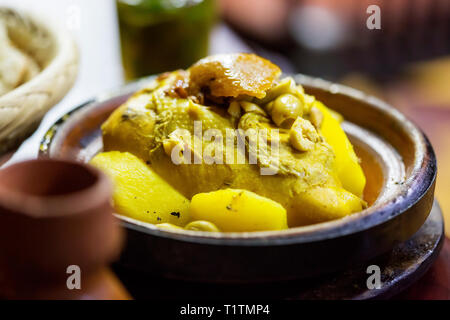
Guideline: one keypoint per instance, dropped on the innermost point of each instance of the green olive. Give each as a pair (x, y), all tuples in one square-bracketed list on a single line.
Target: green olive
[(250, 107), (303, 135), (234, 109), (286, 109), (168, 226), (316, 117), (201, 225), (287, 85)]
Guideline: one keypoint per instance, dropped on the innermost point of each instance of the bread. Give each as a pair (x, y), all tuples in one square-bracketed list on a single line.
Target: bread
[(15, 66), (38, 65)]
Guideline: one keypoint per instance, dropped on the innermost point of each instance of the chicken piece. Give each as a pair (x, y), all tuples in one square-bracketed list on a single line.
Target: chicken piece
[(148, 120), (232, 75)]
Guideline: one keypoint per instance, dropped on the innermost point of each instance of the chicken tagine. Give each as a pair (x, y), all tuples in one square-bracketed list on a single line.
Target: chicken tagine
[(228, 145)]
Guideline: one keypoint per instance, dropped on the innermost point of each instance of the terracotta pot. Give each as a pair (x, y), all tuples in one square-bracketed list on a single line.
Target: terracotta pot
[(54, 214)]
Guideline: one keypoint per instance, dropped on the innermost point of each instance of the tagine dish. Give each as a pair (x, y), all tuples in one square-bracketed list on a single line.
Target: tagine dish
[(228, 145)]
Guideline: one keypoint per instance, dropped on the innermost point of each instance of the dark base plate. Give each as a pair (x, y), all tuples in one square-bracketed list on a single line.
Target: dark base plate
[(404, 265)]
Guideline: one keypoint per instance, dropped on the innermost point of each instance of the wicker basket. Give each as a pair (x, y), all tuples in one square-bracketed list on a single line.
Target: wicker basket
[(53, 48)]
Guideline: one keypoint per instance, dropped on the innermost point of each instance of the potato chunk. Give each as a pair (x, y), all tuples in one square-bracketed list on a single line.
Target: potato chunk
[(348, 168), (321, 204), (140, 193), (236, 210)]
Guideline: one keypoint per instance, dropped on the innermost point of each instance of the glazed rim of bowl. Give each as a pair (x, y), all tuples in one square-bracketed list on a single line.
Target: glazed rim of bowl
[(417, 181)]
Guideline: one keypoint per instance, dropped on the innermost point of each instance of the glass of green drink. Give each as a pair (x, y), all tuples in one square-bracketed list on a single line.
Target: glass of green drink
[(163, 35)]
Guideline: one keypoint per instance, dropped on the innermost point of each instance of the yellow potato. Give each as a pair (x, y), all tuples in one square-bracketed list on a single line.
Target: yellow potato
[(140, 193), (321, 204), (235, 210), (348, 168)]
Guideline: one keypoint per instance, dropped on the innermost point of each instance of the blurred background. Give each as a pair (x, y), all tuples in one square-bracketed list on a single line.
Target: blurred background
[(406, 62)]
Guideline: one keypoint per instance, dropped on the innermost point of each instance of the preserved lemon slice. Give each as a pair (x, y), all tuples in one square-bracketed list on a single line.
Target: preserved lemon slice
[(232, 75)]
